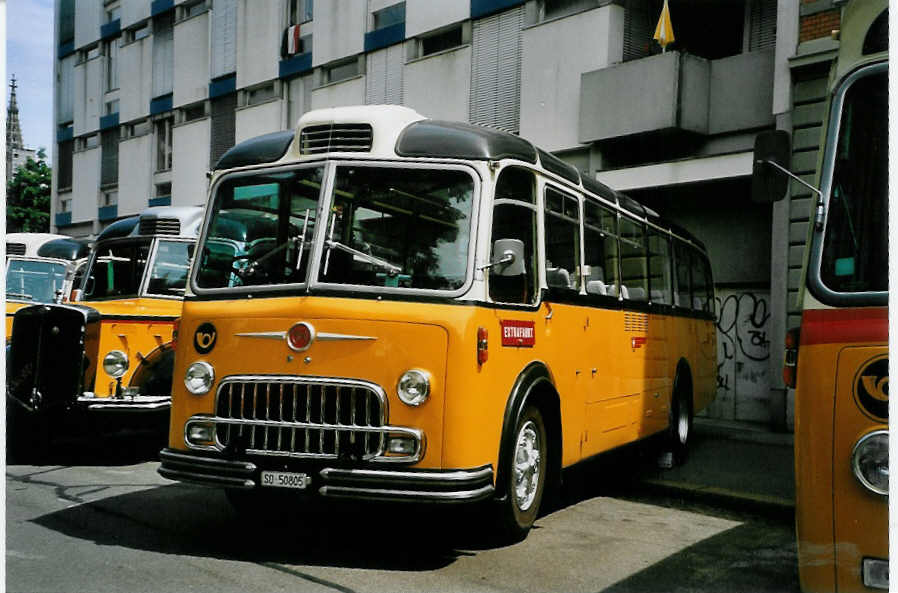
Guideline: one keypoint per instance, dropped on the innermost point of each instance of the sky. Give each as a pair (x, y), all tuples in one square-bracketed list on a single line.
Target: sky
[(29, 56)]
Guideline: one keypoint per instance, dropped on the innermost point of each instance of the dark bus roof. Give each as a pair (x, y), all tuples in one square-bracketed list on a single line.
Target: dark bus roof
[(119, 228), (431, 138), (70, 249)]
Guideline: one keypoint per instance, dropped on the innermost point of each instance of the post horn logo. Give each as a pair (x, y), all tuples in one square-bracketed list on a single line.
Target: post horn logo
[(204, 338), (871, 388)]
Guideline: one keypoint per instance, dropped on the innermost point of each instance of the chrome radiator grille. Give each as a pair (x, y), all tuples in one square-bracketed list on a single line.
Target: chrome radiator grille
[(304, 417)]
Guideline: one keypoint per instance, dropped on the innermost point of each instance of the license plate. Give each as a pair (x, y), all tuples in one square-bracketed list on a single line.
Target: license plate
[(285, 480)]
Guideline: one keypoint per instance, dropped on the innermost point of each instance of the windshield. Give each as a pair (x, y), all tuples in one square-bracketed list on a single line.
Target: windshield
[(37, 281), (168, 275), (261, 229), (855, 248), (398, 227), (116, 270)]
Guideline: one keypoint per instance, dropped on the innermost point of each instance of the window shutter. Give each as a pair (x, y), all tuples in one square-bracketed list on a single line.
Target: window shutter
[(224, 37), (763, 24), (224, 124), (163, 55), (66, 92), (639, 28), (383, 78), (496, 70)]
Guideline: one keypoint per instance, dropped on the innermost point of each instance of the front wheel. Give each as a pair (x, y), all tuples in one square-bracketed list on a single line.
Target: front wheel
[(680, 429), (525, 472)]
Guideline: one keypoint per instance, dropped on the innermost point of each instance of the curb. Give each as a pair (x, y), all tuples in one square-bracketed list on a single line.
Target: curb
[(775, 506)]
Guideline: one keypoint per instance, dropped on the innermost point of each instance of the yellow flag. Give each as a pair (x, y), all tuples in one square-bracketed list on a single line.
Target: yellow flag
[(664, 30)]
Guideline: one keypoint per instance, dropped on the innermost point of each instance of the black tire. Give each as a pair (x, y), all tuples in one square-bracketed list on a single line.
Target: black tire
[(525, 477), (27, 435), (679, 431)]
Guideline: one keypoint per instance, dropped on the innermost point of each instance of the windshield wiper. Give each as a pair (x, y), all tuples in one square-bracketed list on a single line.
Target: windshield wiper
[(20, 295), (391, 269)]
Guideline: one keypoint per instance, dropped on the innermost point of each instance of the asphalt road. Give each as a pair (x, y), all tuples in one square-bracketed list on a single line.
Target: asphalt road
[(99, 518)]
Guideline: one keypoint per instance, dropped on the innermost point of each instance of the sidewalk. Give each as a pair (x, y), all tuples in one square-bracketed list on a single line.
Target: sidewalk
[(736, 464)]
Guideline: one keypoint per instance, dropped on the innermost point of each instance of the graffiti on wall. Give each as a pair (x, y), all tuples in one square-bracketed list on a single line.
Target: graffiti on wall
[(743, 348)]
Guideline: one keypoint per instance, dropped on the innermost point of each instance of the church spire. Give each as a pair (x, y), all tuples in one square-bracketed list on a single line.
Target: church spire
[(13, 130)]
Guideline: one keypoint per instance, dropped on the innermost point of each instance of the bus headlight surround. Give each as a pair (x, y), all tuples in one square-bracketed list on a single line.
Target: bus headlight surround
[(115, 363), (199, 378), (413, 388), (870, 461)]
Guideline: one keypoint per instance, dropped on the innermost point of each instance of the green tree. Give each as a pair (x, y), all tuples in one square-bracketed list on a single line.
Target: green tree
[(28, 197)]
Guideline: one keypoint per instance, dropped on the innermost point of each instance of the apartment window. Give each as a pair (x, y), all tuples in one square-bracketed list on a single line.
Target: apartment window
[(65, 205), (110, 49), (223, 126), (391, 15), (109, 157), (86, 142), (140, 128), (113, 12), (163, 54), (193, 112), (109, 198), (64, 165), (90, 53), (340, 71), (300, 11), (191, 9), (442, 41), (495, 98), (110, 107), (163, 190), (137, 33), (261, 94), (383, 80), (163, 144)]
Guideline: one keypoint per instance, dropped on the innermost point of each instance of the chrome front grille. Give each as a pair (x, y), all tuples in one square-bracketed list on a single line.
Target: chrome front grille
[(335, 138), (306, 417), (159, 226)]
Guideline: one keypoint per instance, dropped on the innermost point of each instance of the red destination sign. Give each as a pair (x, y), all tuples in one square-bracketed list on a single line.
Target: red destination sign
[(517, 333)]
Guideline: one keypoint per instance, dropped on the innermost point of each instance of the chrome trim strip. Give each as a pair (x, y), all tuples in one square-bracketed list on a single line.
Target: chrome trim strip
[(454, 476), (407, 495), (332, 337), (211, 462), (134, 403), (206, 480), (267, 335)]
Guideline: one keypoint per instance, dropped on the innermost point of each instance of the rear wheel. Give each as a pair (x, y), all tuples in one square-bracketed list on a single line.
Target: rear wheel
[(680, 429), (525, 474)]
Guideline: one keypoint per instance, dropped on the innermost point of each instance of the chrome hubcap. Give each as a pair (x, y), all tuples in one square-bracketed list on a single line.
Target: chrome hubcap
[(683, 426), (526, 465)]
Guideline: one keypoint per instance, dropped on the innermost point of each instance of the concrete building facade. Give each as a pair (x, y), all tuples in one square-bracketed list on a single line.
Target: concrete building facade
[(150, 93)]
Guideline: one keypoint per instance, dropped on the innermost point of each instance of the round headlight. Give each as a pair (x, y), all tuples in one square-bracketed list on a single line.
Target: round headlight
[(199, 377), (115, 363), (870, 461), (414, 387)]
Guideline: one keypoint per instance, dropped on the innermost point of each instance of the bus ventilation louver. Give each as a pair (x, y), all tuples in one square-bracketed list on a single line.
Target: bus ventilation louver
[(636, 322), (160, 226), (15, 249), (296, 417), (335, 138)]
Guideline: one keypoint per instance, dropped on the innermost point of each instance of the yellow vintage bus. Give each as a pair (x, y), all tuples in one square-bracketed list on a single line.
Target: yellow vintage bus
[(428, 311), (838, 359), (41, 268), (112, 349)]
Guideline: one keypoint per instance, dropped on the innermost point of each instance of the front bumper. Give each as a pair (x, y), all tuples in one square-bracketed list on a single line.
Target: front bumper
[(125, 403), (410, 485)]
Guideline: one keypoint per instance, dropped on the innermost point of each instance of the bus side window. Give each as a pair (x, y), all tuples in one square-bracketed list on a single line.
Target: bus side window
[(514, 217), (683, 294), (634, 272), (562, 240), (659, 268), (699, 283), (600, 248)]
